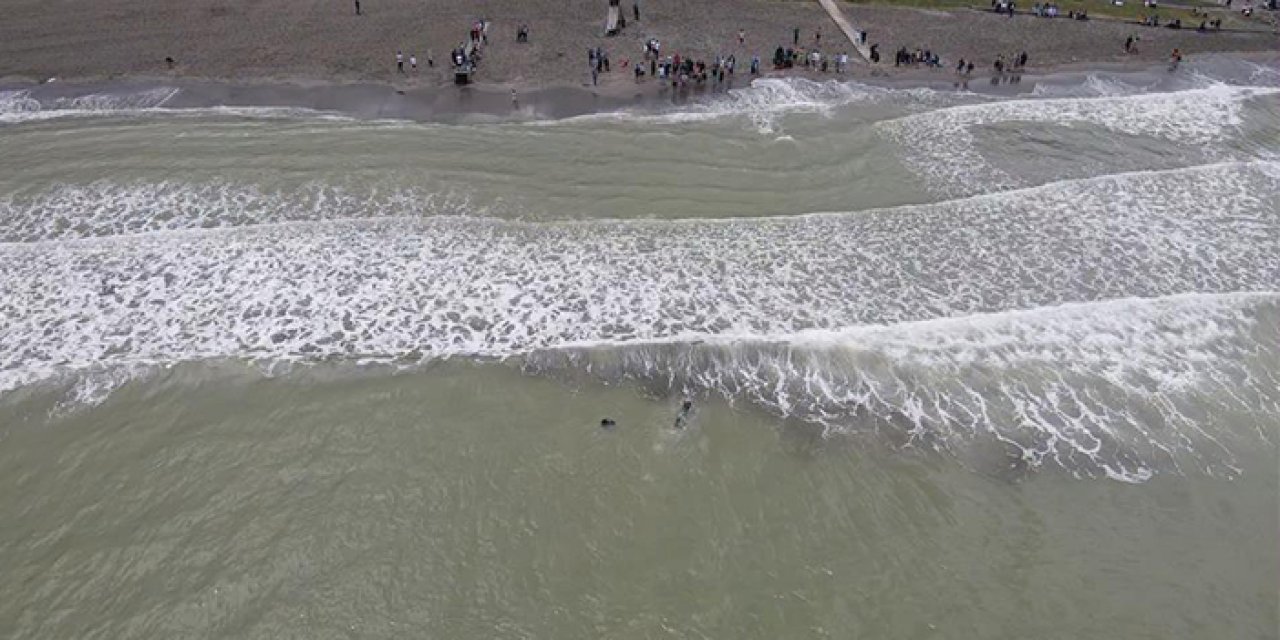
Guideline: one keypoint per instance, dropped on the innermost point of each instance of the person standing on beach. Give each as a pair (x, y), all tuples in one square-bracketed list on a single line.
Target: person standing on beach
[(400, 62), (742, 36), (413, 63), (357, 7), (795, 37), (635, 10)]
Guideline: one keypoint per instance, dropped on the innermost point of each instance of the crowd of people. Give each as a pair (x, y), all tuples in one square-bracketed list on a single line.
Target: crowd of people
[(905, 58), (1153, 20), (684, 71), (1051, 10), (811, 59)]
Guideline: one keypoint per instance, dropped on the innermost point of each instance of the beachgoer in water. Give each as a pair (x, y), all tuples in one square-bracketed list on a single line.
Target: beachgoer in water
[(682, 416), (607, 423)]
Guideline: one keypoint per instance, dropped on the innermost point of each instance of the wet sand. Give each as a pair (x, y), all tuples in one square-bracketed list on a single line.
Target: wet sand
[(481, 103)]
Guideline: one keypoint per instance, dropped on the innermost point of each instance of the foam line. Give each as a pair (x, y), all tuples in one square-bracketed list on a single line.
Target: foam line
[(464, 286), (1115, 388), (71, 212), (941, 144)]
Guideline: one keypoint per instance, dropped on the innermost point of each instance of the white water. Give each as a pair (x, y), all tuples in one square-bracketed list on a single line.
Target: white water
[(1095, 323), (941, 145)]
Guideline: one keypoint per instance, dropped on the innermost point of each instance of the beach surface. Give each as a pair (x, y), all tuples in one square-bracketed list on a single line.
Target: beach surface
[(304, 41)]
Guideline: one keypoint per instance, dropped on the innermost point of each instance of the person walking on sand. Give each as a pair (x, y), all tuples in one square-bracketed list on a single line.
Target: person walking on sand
[(795, 37), (400, 62), (357, 7), (413, 63), (635, 10), (742, 36)]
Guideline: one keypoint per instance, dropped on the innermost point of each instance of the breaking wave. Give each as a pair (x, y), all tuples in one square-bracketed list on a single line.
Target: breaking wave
[(1118, 388), (764, 101), (904, 320), (106, 208), (941, 145), (20, 106), (1102, 325)]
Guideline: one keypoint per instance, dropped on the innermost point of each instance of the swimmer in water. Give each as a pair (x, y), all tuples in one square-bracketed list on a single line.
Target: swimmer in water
[(682, 417), (607, 423)]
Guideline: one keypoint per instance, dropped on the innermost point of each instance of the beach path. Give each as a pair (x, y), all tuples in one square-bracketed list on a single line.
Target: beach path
[(847, 27)]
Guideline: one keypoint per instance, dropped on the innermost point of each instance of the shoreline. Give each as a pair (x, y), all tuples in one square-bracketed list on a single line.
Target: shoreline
[(303, 44), (492, 102)]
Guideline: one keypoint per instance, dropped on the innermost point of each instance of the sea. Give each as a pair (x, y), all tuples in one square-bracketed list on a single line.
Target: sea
[(797, 359)]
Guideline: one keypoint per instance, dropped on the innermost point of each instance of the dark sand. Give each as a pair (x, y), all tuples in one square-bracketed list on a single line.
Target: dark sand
[(323, 41)]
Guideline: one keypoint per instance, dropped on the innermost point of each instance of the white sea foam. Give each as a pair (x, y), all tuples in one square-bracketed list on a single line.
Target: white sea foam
[(765, 101), (318, 280), (18, 101), (941, 145), (1093, 86), (1265, 75), (106, 208), (1114, 388), (19, 106), (465, 286)]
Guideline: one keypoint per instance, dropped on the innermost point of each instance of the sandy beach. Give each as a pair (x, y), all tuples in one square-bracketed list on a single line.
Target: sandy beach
[(308, 42)]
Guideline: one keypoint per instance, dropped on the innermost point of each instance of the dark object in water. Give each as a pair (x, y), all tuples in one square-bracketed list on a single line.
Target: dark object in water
[(683, 415), (607, 423)]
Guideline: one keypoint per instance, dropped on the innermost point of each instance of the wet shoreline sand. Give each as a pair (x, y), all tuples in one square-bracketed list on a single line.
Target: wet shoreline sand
[(494, 103)]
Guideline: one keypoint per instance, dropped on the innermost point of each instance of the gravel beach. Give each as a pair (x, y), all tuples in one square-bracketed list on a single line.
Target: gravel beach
[(301, 41)]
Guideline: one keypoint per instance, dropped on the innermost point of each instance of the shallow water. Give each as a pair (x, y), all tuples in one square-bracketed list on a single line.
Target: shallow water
[(963, 365)]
